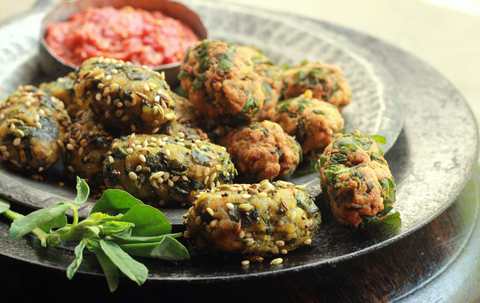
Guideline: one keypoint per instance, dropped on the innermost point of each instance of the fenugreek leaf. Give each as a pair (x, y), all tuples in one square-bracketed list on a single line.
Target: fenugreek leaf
[(77, 261), (111, 272), (83, 191), (168, 248), (379, 139), (128, 239), (4, 206), (36, 219), (148, 221), (115, 201), (57, 222), (131, 268)]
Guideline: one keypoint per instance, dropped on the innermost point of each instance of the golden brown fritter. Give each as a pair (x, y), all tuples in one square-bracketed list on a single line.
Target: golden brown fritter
[(186, 125), (125, 98), (326, 82), (312, 122), (255, 219), (221, 81), (32, 129), (63, 89), (262, 150), (357, 179), (162, 169), (87, 145)]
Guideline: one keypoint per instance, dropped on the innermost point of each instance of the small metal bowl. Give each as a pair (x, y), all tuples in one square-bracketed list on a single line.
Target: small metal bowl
[(54, 66)]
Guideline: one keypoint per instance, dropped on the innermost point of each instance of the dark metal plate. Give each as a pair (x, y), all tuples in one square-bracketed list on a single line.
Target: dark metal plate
[(431, 161)]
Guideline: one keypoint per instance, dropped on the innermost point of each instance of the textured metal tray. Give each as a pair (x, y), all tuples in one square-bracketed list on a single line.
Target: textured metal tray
[(431, 160)]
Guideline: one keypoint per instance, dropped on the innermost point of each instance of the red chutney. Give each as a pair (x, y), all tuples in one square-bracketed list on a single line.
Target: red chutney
[(139, 36)]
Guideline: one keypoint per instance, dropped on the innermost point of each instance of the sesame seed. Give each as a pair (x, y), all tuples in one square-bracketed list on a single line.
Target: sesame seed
[(249, 241), (142, 158), (308, 242), (276, 261), (129, 150), (98, 97), (230, 205), (110, 159), (242, 234), (280, 243), (108, 77), (133, 176), (17, 141), (284, 251), (245, 207), (157, 98), (170, 183), (245, 263), (213, 223), (138, 168), (210, 211)]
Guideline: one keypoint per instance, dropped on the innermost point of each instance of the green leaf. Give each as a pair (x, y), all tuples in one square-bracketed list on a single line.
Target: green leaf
[(133, 269), (127, 239), (57, 222), (148, 221), (168, 248), (73, 267), (110, 228), (4, 206), (83, 191), (38, 218), (115, 201), (379, 139), (109, 269), (387, 224)]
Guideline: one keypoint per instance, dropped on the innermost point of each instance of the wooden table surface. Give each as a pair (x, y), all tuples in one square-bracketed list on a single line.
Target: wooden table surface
[(438, 263)]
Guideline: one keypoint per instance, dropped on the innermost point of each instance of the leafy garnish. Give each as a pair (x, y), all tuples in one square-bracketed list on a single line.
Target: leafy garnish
[(379, 139), (118, 226), (250, 105)]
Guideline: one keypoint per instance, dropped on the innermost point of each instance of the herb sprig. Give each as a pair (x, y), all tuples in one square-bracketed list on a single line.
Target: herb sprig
[(118, 228)]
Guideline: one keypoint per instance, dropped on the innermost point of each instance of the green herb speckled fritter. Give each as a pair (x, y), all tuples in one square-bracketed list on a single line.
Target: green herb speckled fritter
[(87, 144), (161, 169), (262, 150), (311, 121), (357, 179), (187, 124), (327, 83), (255, 219), (124, 97), (223, 82), (63, 89), (32, 129)]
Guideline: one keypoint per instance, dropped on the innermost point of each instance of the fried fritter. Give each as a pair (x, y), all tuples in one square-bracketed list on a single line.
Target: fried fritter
[(222, 82), (326, 82), (32, 129), (63, 89), (255, 219), (125, 98), (161, 169), (357, 179), (262, 150), (311, 121), (87, 145)]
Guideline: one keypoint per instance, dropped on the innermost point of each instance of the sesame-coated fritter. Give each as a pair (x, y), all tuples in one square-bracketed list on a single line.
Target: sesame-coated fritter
[(124, 97), (255, 219), (63, 89), (327, 83), (311, 121), (32, 129), (186, 125), (222, 82), (161, 168), (357, 179), (87, 145), (262, 150)]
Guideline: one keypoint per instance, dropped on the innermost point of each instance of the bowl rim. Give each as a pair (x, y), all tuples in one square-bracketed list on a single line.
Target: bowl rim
[(201, 32)]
